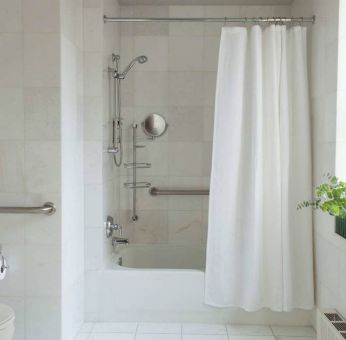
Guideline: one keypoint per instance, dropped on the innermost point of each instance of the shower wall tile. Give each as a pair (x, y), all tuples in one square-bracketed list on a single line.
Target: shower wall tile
[(42, 266), (42, 167), (186, 53), (92, 74), (207, 157), (93, 162), (93, 244), (211, 53), (209, 88), (11, 16), (92, 3), (93, 121), (250, 11), (185, 203), (42, 311), (153, 227), (155, 48), (93, 214), (11, 66), (127, 93), (93, 25), (147, 202), (12, 166), (42, 113), (155, 11), (156, 93), (40, 16), (158, 155), (186, 88), (185, 159), (185, 124), (208, 123), (186, 28), (11, 114), (41, 59), (185, 227)]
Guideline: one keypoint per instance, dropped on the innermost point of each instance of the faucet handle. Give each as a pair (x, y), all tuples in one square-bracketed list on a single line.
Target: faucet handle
[(111, 226)]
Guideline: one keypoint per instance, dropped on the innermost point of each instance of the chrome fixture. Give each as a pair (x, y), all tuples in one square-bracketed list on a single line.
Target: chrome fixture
[(245, 20), (134, 185), (157, 192), (116, 241), (111, 227), (140, 59), (154, 125), (3, 264), (48, 208), (116, 149)]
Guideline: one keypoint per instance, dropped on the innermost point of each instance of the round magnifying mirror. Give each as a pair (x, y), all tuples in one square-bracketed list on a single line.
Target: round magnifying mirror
[(154, 125)]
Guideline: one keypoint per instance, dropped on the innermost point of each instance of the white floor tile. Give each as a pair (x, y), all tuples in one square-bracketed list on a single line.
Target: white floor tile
[(293, 331), (158, 337), (201, 328), (248, 330), (205, 337), (164, 328), (112, 336), (115, 327)]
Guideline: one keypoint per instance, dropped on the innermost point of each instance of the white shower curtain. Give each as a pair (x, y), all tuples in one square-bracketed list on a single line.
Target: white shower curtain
[(259, 252)]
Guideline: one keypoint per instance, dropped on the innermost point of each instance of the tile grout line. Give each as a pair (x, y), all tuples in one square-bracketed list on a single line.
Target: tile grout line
[(136, 331)]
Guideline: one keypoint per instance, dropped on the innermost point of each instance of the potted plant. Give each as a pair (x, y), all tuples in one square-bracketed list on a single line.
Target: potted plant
[(331, 198)]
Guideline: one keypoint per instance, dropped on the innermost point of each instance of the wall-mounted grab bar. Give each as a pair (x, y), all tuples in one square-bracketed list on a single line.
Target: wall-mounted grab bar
[(48, 208), (157, 192)]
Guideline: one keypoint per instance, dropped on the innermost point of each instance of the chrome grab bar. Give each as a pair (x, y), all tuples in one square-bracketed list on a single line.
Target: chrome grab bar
[(48, 208), (157, 192)]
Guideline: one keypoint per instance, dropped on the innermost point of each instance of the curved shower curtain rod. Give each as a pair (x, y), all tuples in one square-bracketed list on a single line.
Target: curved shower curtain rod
[(281, 20)]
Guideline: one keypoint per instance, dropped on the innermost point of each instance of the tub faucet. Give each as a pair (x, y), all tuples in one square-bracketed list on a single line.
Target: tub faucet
[(116, 241)]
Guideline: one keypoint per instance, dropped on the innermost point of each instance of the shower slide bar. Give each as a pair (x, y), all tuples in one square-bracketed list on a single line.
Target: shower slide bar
[(48, 208), (277, 20), (157, 192)]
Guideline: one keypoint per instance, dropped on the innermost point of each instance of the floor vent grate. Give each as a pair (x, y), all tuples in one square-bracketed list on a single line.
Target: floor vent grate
[(333, 316), (330, 325), (340, 326)]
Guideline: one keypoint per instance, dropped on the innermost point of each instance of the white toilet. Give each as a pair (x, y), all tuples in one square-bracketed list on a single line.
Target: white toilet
[(6, 322)]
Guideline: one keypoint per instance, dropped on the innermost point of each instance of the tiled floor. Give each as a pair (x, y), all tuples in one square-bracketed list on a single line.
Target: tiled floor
[(191, 331)]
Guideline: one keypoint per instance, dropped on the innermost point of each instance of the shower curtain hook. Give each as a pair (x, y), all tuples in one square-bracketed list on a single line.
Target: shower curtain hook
[(224, 21)]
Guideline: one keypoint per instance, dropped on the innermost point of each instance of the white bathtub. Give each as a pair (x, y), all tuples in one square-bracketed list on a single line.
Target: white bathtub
[(163, 283)]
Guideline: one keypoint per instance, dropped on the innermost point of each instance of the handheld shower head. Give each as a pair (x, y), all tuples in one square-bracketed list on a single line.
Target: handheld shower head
[(140, 59)]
